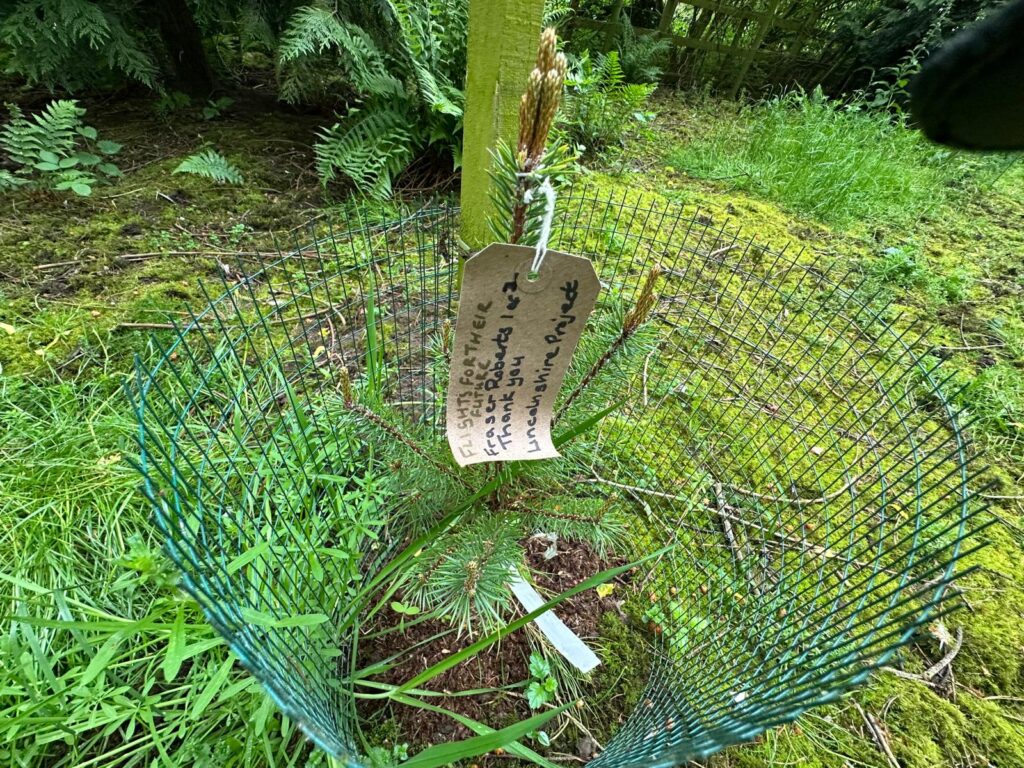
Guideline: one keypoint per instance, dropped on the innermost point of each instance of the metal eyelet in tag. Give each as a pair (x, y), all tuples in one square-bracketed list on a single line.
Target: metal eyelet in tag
[(514, 339)]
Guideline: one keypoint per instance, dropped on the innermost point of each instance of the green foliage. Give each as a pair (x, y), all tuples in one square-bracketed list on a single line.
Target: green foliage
[(55, 149), (872, 38), (97, 634), (596, 521), (215, 107), (898, 266), (600, 104), (558, 164), (381, 757), (65, 495), (74, 43), (543, 685), (641, 56), (557, 13), (369, 148), (465, 580), (171, 103), (355, 60), (825, 159), (403, 70), (211, 164)]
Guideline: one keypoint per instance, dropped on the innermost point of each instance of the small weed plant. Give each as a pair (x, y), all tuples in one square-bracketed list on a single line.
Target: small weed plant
[(211, 164), (215, 108), (543, 686)]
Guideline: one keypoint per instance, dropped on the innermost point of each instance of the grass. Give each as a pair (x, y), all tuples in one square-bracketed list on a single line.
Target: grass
[(836, 164), (103, 661)]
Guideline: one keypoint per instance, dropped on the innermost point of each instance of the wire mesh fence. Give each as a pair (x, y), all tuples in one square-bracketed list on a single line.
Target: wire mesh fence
[(793, 452)]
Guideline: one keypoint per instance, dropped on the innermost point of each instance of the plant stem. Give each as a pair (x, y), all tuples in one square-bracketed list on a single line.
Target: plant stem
[(383, 424), (635, 318)]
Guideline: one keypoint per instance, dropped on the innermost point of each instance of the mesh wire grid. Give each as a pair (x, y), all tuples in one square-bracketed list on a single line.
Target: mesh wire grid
[(793, 447)]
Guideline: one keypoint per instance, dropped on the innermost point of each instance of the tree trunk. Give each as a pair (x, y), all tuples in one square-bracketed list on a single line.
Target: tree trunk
[(184, 45), (503, 37)]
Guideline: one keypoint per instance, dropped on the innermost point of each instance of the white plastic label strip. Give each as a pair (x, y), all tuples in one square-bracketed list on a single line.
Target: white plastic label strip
[(561, 637)]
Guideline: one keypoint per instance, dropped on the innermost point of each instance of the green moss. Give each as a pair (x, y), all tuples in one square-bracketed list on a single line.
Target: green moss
[(68, 289), (992, 657), (619, 683)]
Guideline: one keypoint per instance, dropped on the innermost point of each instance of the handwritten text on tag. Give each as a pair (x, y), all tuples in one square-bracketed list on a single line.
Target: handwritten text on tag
[(514, 339)]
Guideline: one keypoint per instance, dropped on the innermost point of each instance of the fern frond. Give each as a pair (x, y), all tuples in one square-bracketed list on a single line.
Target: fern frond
[(418, 37), (54, 129), (556, 15), (73, 42), (369, 148), (610, 68), (9, 181), (406, 63), (211, 164), (314, 30)]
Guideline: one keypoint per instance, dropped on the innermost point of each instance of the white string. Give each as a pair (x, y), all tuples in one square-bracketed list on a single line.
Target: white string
[(545, 225)]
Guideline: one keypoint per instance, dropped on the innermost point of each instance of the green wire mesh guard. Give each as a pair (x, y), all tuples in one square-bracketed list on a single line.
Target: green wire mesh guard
[(791, 445)]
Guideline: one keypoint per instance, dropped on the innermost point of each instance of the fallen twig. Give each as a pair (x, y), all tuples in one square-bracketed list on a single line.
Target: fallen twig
[(879, 734), (145, 326), (730, 535), (790, 500), (945, 661), (928, 676), (157, 254)]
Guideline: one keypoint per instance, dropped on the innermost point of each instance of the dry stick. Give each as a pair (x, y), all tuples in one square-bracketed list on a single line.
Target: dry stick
[(908, 676), (730, 536), (740, 490), (55, 264), (798, 502), (647, 361), (157, 254), (928, 676), (815, 549), (878, 735), (145, 326), (945, 661)]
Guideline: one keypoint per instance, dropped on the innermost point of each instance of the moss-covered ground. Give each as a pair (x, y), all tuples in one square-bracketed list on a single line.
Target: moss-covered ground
[(83, 282)]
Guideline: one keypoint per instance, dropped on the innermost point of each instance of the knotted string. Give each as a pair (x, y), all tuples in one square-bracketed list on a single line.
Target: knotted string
[(545, 225)]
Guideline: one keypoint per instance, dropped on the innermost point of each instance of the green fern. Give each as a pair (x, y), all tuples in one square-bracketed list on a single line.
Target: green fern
[(403, 64), (211, 164), (55, 148), (369, 148), (316, 30), (71, 43), (54, 129), (9, 181), (600, 104)]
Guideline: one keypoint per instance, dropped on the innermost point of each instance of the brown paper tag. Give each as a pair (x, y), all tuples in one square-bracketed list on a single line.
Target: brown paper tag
[(514, 339)]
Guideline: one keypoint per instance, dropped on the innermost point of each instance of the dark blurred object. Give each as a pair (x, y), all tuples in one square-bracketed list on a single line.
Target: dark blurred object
[(971, 93)]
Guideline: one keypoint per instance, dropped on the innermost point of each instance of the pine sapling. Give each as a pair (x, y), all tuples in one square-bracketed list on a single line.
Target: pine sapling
[(515, 173), (645, 302)]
